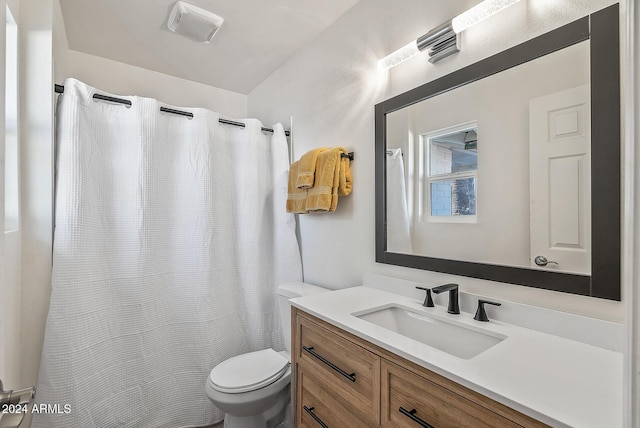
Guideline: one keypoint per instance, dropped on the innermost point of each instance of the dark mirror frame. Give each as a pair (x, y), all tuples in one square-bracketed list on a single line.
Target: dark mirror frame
[(604, 281)]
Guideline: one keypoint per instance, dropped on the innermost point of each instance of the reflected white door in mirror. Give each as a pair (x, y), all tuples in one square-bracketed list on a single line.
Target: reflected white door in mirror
[(560, 185)]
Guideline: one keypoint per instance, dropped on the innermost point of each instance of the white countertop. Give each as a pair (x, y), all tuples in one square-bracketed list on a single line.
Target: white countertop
[(561, 382)]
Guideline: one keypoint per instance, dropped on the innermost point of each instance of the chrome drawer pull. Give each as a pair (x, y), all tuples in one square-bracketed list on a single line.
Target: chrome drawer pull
[(411, 414), (351, 377), (314, 416)]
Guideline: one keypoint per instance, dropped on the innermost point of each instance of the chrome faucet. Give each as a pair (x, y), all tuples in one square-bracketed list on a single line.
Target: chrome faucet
[(454, 306)]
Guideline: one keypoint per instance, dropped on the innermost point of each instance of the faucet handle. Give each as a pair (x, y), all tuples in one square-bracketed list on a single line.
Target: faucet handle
[(428, 301), (481, 314)]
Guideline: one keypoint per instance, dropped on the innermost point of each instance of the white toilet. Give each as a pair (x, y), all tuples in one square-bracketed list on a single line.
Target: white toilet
[(253, 388)]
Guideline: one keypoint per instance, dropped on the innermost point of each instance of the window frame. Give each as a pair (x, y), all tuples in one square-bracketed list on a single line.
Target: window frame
[(426, 179)]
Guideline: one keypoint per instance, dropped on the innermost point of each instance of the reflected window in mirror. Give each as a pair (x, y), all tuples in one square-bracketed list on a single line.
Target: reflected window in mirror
[(450, 183)]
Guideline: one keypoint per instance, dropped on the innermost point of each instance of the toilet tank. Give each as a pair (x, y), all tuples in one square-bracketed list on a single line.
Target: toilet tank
[(291, 290)]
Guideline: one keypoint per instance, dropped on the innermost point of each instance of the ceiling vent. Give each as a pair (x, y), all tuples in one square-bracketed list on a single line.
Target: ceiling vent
[(196, 23)]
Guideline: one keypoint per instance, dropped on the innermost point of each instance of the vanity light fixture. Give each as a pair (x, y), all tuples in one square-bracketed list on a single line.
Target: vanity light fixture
[(479, 12), (401, 55), (439, 43), (443, 40)]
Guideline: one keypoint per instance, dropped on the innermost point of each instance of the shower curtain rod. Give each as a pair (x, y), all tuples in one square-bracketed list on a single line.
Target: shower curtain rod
[(59, 89)]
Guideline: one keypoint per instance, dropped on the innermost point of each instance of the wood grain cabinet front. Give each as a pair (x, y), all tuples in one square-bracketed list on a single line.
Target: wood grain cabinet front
[(320, 407), (352, 372), (342, 381), (411, 401)]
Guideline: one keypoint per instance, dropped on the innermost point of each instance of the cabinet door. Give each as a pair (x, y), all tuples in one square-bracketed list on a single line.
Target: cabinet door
[(352, 371), (319, 407), (409, 400)]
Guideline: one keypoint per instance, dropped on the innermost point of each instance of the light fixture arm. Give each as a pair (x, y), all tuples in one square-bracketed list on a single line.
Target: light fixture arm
[(434, 35), (440, 42), (443, 40)]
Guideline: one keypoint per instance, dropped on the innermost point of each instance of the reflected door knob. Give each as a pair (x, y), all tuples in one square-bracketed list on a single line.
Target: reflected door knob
[(542, 261)]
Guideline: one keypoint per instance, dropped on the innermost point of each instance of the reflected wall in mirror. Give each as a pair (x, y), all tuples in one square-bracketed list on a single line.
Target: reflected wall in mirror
[(488, 172), (445, 170)]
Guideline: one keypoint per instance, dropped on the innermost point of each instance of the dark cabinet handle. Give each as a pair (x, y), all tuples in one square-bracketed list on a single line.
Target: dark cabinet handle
[(411, 414), (314, 416), (350, 376)]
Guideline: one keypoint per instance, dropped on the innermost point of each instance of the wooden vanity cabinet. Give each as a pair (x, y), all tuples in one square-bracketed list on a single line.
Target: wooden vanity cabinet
[(408, 399), (340, 368), (340, 381), (321, 406)]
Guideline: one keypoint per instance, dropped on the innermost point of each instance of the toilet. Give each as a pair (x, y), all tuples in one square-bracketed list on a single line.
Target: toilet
[(253, 388)]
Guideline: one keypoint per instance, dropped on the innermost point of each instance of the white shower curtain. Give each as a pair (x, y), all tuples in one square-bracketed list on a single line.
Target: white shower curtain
[(398, 227), (170, 239)]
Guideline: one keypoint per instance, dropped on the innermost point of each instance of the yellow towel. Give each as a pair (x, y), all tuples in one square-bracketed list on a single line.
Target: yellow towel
[(323, 196), (307, 168), (331, 178), (296, 198), (346, 181)]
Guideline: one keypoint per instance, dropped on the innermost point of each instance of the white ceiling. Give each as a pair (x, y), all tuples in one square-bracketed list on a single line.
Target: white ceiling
[(256, 38)]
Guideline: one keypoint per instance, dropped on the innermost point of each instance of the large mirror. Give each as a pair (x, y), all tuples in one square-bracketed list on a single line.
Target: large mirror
[(509, 169)]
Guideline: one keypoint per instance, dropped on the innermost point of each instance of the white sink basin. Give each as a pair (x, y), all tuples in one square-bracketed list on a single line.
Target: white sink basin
[(460, 340)]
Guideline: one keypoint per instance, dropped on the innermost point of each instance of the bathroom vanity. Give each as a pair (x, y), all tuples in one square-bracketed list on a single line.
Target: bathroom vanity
[(379, 388), (375, 357), (354, 366)]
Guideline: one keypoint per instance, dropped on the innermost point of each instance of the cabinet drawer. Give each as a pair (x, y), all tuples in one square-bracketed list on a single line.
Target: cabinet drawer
[(319, 407), (408, 398), (352, 371)]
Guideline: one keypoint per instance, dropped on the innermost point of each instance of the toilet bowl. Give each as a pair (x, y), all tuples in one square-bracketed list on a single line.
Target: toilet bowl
[(253, 388)]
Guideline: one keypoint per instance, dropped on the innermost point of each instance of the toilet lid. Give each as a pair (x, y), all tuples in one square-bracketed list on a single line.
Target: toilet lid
[(248, 372)]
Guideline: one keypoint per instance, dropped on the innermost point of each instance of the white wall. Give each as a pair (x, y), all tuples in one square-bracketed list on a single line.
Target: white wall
[(23, 293), (124, 79), (36, 157), (9, 257), (10, 324), (631, 83), (60, 45), (330, 88), (634, 306)]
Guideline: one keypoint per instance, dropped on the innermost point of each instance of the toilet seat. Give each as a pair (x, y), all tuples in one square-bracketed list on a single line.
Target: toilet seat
[(248, 372)]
